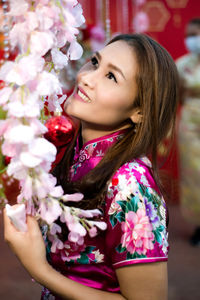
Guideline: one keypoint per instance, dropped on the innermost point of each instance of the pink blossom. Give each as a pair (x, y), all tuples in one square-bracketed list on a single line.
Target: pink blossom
[(19, 73), (27, 187), (77, 15), (56, 192), (57, 244), (30, 108), (75, 237), (44, 184), (49, 210), (42, 148), (75, 51), (75, 227), (29, 160), (48, 84), (98, 224), (89, 213), (38, 150), (93, 232), (54, 102), (3, 126), (46, 16), (115, 207), (9, 149), (31, 21), (18, 36), (62, 38), (16, 169), (66, 216), (72, 250), (70, 2), (54, 228), (37, 126), (18, 7), (40, 190), (76, 197), (138, 236), (5, 94), (19, 134), (60, 60), (41, 42)]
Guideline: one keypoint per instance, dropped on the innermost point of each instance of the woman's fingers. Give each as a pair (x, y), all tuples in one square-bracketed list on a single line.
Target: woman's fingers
[(33, 226)]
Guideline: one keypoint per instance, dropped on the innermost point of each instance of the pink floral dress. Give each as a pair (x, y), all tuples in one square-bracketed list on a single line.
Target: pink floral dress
[(135, 214)]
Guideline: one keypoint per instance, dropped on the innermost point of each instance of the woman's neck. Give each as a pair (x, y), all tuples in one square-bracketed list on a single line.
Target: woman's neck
[(89, 133)]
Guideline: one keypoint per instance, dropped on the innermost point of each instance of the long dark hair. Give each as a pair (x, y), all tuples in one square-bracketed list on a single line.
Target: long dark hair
[(157, 99)]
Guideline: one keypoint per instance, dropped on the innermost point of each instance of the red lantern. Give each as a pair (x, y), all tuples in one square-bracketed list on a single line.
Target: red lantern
[(61, 130)]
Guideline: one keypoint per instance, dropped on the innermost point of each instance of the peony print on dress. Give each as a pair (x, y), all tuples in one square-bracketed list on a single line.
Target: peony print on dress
[(140, 212)]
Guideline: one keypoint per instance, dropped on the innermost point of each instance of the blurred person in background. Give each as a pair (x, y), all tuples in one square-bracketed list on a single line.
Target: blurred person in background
[(189, 128)]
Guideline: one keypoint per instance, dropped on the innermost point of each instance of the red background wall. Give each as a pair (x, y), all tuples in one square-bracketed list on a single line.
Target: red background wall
[(167, 19)]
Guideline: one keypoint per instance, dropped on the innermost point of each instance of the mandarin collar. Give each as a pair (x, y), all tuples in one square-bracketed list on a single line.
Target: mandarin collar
[(96, 147)]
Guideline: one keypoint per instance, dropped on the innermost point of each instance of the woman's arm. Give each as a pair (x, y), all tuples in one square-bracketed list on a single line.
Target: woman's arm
[(148, 281), (137, 282)]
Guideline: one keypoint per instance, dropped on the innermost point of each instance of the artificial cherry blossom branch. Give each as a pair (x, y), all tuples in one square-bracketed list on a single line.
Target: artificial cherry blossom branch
[(41, 28)]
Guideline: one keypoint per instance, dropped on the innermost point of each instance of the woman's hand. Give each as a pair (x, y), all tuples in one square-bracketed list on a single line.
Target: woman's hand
[(28, 246)]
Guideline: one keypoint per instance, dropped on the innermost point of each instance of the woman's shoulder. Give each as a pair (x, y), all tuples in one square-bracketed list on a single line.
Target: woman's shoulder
[(136, 216), (137, 171)]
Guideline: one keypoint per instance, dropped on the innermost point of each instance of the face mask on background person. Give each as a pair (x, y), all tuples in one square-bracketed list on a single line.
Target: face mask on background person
[(192, 43)]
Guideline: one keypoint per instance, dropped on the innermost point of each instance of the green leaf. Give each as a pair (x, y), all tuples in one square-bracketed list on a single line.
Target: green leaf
[(120, 249), (158, 236), (120, 216), (89, 249), (122, 205), (142, 189), (134, 203), (135, 255), (161, 228), (83, 259), (113, 220)]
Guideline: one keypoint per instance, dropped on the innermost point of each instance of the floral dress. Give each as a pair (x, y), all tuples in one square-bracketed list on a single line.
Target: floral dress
[(135, 214), (189, 140)]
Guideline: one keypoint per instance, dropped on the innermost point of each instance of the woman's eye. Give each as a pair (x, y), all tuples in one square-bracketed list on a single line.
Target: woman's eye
[(94, 61), (110, 75)]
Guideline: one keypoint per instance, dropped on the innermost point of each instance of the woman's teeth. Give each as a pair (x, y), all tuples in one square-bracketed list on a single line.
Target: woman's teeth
[(85, 98)]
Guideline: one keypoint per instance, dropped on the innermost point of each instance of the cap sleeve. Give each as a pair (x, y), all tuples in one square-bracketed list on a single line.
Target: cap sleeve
[(136, 218)]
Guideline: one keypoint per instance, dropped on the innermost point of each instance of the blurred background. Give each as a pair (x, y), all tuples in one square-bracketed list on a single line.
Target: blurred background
[(167, 22)]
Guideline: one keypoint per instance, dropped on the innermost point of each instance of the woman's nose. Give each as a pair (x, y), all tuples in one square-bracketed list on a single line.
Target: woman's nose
[(87, 78)]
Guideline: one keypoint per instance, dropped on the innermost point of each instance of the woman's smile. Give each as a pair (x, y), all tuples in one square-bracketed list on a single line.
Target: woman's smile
[(81, 95)]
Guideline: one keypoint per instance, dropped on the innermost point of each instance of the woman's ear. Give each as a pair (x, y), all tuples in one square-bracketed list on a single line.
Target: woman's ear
[(136, 116)]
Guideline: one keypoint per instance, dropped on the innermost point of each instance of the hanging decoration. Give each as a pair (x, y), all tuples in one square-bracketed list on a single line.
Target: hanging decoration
[(141, 19), (125, 14), (45, 33), (60, 130), (107, 16)]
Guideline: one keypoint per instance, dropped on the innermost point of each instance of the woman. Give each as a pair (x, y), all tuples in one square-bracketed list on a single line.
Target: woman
[(125, 99), (189, 138)]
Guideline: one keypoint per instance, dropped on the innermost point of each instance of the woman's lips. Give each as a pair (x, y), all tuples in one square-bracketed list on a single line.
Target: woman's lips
[(81, 95)]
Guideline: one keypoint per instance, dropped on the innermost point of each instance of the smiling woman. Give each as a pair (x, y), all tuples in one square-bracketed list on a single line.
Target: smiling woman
[(125, 99)]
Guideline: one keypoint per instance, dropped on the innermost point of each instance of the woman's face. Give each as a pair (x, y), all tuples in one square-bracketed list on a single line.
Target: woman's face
[(106, 88)]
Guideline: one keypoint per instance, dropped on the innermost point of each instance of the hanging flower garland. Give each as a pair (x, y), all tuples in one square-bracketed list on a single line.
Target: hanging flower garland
[(41, 28)]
